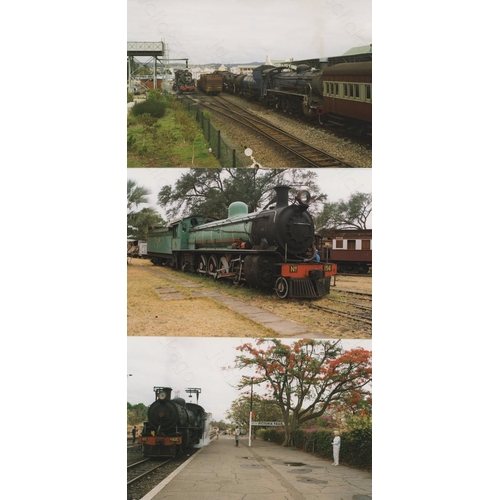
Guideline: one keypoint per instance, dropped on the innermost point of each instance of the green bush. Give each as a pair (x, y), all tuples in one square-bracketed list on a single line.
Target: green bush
[(356, 444), (131, 140), (130, 97), (153, 107)]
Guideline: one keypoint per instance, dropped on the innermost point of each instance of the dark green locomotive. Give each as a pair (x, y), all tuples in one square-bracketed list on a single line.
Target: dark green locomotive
[(272, 248)]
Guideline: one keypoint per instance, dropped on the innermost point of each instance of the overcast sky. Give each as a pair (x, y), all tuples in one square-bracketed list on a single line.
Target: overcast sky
[(189, 362), (229, 32), (336, 183)]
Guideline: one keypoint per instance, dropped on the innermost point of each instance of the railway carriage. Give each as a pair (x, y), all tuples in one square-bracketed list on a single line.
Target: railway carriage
[(349, 249), (347, 94), (270, 249)]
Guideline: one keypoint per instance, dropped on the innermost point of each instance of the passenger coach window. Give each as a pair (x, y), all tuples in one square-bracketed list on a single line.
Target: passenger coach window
[(365, 244), (368, 92), (351, 244), (339, 243)]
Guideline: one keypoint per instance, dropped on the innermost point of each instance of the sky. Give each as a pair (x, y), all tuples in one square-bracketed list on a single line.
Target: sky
[(336, 183), (229, 32), (191, 362)]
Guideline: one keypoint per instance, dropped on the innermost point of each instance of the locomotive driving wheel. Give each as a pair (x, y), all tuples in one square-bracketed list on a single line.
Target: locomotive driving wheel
[(212, 266), (203, 265), (281, 287)]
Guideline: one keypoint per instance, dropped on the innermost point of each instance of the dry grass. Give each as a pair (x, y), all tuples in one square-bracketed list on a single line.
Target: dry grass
[(149, 314)]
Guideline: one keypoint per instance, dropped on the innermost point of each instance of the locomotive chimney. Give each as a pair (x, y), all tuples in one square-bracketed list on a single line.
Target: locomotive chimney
[(163, 393), (281, 196)]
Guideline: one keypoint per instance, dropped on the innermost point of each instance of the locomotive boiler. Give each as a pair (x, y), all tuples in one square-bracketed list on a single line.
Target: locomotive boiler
[(173, 426), (256, 85), (270, 249)]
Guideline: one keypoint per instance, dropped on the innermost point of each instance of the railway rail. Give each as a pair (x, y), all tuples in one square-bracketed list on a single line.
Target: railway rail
[(308, 156), (140, 469), (362, 317)]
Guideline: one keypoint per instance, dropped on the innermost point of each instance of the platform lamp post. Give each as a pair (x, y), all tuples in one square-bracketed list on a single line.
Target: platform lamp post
[(251, 408)]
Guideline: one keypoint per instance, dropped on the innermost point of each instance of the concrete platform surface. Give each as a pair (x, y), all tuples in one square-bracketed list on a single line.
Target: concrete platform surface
[(264, 471)]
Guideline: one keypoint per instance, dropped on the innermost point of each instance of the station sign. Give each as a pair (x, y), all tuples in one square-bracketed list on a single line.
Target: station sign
[(269, 424)]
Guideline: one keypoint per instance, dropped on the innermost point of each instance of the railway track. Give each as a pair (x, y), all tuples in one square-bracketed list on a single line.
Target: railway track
[(364, 317), (306, 155), (140, 469)]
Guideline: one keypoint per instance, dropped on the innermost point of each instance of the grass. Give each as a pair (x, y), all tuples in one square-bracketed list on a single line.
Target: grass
[(168, 148), (149, 314)]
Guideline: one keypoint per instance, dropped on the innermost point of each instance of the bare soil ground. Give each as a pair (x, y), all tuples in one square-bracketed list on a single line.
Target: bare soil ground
[(149, 314)]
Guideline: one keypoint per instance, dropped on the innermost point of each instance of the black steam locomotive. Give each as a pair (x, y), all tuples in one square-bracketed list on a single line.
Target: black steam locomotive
[(272, 249), (184, 82), (173, 425)]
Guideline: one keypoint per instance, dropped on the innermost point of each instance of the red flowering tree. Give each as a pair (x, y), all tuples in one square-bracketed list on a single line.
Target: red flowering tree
[(305, 378)]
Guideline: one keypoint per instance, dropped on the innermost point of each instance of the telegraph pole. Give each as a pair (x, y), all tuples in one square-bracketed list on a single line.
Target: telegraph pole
[(251, 401)]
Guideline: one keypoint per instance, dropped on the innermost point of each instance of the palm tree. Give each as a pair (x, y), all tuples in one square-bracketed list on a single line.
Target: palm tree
[(135, 194)]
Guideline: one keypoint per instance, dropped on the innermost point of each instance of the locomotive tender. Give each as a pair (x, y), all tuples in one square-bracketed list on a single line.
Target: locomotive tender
[(173, 425), (270, 249), (210, 83)]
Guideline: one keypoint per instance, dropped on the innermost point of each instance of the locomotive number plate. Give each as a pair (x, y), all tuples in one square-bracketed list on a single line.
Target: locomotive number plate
[(294, 269), (327, 267), (174, 440)]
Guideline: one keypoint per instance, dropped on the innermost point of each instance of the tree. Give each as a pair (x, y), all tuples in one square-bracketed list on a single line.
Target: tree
[(306, 378), (211, 191), (139, 222), (350, 214), (264, 409), (220, 424), (136, 195), (136, 414)]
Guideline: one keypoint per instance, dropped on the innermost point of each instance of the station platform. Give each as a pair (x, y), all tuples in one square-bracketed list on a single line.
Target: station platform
[(264, 471)]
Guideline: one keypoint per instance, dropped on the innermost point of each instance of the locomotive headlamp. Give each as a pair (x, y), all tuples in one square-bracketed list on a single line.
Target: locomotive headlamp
[(162, 395), (304, 197)]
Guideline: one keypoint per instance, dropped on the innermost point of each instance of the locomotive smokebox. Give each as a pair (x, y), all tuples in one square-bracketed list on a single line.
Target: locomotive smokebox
[(281, 196)]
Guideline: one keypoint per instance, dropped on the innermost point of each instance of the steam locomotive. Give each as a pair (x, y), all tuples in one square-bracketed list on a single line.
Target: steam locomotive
[(340, 94), (173, 425), (270, 249), (184, 81)]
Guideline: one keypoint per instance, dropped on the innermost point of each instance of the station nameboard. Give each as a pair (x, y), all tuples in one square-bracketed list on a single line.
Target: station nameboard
[(269, 424)]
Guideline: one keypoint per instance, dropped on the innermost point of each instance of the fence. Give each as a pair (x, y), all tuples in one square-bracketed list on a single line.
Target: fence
[(228, 157)]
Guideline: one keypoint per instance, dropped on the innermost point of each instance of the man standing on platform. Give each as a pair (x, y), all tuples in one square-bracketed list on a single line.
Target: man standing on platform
[(237, 433), (336, 447)]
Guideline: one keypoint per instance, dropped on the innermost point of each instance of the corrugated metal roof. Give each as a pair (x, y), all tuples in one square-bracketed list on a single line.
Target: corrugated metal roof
[(364, 49)]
